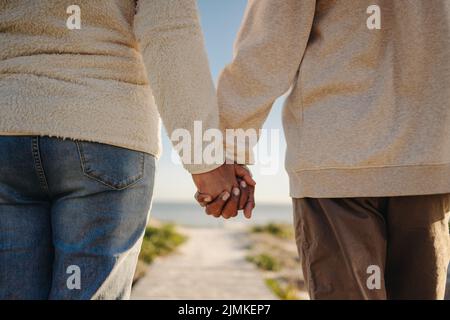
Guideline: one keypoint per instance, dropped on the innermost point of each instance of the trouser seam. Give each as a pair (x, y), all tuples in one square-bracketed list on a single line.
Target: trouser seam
[(39, 169)]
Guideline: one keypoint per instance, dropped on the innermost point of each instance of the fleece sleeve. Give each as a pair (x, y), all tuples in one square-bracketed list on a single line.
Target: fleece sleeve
[(172, 46), (267, 56)]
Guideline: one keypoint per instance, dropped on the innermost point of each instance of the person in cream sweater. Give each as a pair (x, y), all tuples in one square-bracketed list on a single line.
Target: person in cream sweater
[(82, 89), (367, 124)]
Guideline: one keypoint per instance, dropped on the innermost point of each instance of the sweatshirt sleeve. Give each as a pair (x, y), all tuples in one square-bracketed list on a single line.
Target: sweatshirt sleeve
[(172, 46), (267, 56)]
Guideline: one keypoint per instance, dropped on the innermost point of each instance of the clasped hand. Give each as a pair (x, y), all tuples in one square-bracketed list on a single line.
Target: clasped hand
[(226, 190)]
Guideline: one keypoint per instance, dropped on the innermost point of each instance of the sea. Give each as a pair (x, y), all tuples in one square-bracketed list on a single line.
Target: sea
[(190, 214)]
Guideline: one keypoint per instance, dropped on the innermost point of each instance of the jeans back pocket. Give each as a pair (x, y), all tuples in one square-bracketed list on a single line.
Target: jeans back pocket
[(115, 167)]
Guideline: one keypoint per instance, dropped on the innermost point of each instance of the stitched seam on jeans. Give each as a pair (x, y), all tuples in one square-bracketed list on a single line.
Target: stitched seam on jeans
[(39, 169)]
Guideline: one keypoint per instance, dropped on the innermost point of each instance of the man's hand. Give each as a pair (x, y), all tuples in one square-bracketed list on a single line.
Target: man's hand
[(230, 186)]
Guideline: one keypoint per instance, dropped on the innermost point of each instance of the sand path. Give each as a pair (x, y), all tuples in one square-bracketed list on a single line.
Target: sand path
[(210, 265)]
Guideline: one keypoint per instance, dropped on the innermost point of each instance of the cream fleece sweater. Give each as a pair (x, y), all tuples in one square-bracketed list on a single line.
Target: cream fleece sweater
[(100, 83), (368, 113)]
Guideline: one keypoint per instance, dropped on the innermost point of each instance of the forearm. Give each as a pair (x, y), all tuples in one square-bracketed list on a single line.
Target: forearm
[(268, 53), (173, 49)]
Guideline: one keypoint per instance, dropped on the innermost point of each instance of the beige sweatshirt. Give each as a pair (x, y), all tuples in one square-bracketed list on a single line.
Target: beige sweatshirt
[(368, 113), (100, 83)]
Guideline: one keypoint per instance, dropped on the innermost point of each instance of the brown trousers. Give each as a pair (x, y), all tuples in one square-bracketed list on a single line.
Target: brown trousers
[(374, 248)]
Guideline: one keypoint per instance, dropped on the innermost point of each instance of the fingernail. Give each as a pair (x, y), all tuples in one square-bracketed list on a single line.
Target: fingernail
[(243, 184), (236, 191), (225, 196), (208, 199)]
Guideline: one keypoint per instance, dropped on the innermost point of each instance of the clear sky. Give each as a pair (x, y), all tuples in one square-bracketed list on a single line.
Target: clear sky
[(220, 21)]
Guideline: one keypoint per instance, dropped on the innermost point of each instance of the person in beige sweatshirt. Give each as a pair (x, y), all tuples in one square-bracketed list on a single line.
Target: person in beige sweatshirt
[(367, 124), (82, 89)]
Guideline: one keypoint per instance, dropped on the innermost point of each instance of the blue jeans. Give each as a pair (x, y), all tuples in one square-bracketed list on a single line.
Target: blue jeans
[(72, 218)]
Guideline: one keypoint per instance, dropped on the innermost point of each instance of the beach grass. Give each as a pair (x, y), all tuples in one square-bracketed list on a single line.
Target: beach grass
[(159, 240), (265, 261), (282, 291), (272, 249), (279, 230)]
